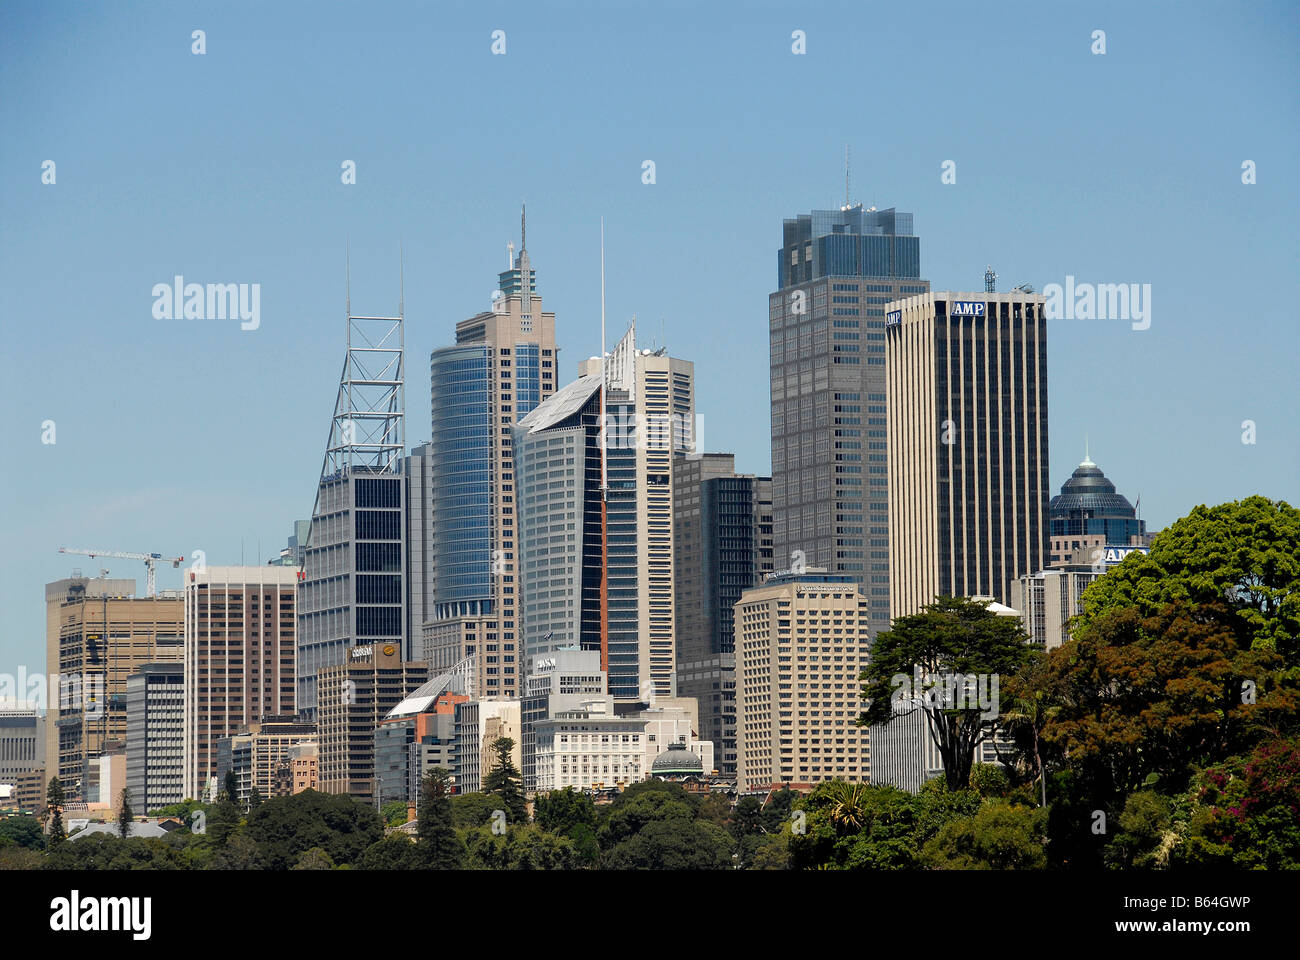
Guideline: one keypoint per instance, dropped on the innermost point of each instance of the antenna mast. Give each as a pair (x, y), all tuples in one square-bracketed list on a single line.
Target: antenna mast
[(604, 475)]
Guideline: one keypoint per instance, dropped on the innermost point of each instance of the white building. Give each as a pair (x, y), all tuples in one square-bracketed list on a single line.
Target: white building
[(589, 748), (478, 724)]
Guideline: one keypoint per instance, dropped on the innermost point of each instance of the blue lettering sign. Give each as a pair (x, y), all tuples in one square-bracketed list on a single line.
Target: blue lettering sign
[(966, 308)]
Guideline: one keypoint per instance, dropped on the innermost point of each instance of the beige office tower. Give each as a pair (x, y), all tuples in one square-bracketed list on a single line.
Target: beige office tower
[(98, 634), (502, 366), (352, 699), (650, 409), (966, 418), (241, 628), (801, 643)]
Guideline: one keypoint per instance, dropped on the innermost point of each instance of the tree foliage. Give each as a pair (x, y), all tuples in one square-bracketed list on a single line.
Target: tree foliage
[(952, 637), (439, 846), (284, 828), (505, 784)]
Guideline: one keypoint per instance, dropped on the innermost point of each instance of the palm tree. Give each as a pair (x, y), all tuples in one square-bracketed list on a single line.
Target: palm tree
[(1028, 711), (848, 809)]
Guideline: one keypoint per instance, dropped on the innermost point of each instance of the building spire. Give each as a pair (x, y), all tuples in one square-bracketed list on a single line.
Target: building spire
[(1087, 454), (523, 227)]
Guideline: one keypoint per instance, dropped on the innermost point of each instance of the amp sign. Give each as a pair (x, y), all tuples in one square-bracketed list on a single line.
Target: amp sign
[(966, 308), (893, 318)]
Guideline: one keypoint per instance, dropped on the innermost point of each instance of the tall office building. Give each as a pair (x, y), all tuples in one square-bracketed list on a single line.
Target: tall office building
[(241, 628), (354, 698), (155, 740), (1088, 514), (723, 541), (836, 270), (801, 643), (57, 594), (101, 637), (649, 415), (502, 366), (352, 591), (649, 418), (967, 424)]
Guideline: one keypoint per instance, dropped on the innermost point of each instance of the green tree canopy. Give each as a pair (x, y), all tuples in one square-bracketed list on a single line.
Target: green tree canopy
[(1245, 554), (286, 827), (999, 836), (951, 638)]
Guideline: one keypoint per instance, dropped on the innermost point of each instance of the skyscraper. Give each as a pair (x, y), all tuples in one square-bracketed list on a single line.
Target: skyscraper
[(801, 642), (502, 366), (967, 423), (352, 589), (240, 637), (155, 735), (650, 417), (836, 270), (102, 640), (722, 537)]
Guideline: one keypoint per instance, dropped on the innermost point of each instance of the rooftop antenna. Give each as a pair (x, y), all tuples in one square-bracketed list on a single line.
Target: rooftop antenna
[(990, 280), (848, 173), (347, 273), (604, 474), (510, 255), (401, 280)]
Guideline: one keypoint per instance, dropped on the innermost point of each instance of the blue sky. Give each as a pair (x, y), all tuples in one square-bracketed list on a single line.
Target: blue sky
[(176, 435)]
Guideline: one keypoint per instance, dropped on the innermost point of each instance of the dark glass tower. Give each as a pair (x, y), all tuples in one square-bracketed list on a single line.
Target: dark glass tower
[(836, 270)]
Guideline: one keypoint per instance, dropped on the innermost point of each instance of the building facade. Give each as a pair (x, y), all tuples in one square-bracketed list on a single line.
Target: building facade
[(98, 634), (241, 628), (801, 644), (502, 367), (560, 682), (968, 454), (478, 724), (836, 271), (258, 754), (723, 542), (155, 735), (353, 700)]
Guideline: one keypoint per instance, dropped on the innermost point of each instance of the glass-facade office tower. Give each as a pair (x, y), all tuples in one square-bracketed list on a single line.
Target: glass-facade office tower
[(723, 540), (501, 367), (1088, 514), (351, 589), (836, 270), (967, 422)]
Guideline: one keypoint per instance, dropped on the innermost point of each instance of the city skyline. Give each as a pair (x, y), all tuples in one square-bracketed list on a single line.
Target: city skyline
[(134, 466)]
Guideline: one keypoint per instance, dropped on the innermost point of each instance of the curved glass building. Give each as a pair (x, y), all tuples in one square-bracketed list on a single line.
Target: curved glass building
[(1088, 512)]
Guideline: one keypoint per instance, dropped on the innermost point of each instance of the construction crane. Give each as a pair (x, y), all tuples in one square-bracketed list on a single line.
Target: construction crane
[(150, 559)]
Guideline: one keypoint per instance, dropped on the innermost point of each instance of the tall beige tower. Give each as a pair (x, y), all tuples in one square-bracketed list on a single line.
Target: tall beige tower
[(966, 418), (801, 643)]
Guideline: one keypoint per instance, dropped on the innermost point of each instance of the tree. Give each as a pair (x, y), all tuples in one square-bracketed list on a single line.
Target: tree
[(950, 643), (520, 848), (559, 811), (314, 859), (999, 836), (1024, 711), (254, 798), (854, 826), (394, 813), (473, 809), (776, 811), (672, 844), (747, 818), (286, 827), (395, 852), (124, 814), (231, 787), (504, 782), (1139, 696), (1244, 554), (439, 846), (641, 804), (54, 803), (242, 852), (1244, 812), (22, 832)]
